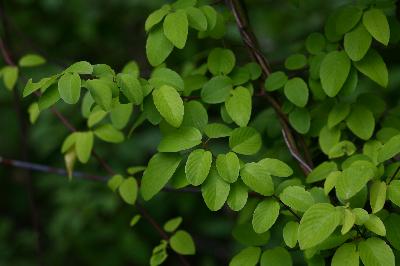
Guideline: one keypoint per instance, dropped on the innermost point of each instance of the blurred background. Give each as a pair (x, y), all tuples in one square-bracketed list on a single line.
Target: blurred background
[(51, 221)]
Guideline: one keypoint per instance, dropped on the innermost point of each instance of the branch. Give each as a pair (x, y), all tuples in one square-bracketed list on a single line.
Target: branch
[(252, 46)]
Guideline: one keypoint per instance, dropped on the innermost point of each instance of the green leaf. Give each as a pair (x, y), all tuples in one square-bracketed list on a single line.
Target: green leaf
[(165, 76), (347, 255), (334, 71), (361, 122), (357, 43), (295, 61), (170, 105), (228, 166), (109, 133), (95, 117), (321, 172), (393, 230), (377, 196), (198, 166), (347, 18), (160, 169), (290, 234), (256, 177), (195, 115), (375, 252), (315, 43), (238, 195), (221, 61), (129, 190), (159, 254), (349, 219), (278, 256), (275, 81), (114, 182), (394, 192), (328, 138), (135, 219), (172, 224), (69, 87), (239, 105), (353, 179), (317, 224), (217, 130), (158, 47), (276, 167), (180, 139), (373, 66), (150, 111), (248, 256), (374, 224), (211, 16), (120, 115), (101, 93), (245, 140), (81, 67), (34, 112), (197, 19), (265, 215), (176, 28), (156, 17), (130, 87), (181, 4), (297, 198), (182, 243), (216, 90), (296, 91), (31, 60), (377, 25), (300, 120), (215, 191), (10, 76), (338, 113), (390, 149), (84, 145)]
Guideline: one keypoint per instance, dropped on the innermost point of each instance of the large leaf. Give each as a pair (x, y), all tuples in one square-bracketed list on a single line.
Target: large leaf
[(238, 106), (69, 87), (31, 60), (217, 130), (158, 47), (216, 90), (377, 196), (237, 196), (357, 43), (346, 255), (390, 149), (84, 145), (198, 166), (170, 105), (296, 91), (361, 122), (276, 167), (373, 66), (376, 23), (334, 71), (375, 252), (321, 172), (347, 18), (195, 115), (394, 192), (176, 28), (180, 139), (215, 191), (228, 166), (160, 169), (297, 198), (265, 215), (182, 243), (101, 93), (156, 17), (221, 61), (248, 256), (165, 76), (317, 224), (197, 19), (278, 256), (245, 140), (290, 234), (256, 177), (130, 87)]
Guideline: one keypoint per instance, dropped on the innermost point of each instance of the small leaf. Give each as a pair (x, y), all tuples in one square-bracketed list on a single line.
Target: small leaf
[(215, 191), (373, 66), (31, 60), (128, 190), (300, 120), (296, 91), (321, 172), (245, 140), (69, 159), (158, 47), (239, 105), (156, 17), (176, 28), (84, 145), (135, 219), (238, 195), (170, 105), (217, 130), (295, 61), (198, 166), (160, 169), (315, 43), (377, 196), (328, 138), (317, 224), (172, 224), (290, 234), (101, 93), (69, 87), (390, 149), (195, 115), (180, 139), (346, 255), (130, 87), (228, 166), (182, 243), (216, 90), (276, 167), (394, 192), (349, 219), (165, 76), (357, 43), (265, 215), (297, 198), (114, 182), (375, 252), (211, 16), (275, 81), (361, 122), (10, 76), (377, 25), (338, 113), (197, 19), (375, 224), (81, 67), (256, 177), (334, 71), (248, 256), (278, 256), (347, 18), (221, 61), (109, 134)]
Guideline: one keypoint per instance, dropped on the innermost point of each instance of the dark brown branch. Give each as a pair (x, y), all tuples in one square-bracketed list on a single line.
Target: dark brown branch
[(252, 46)]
